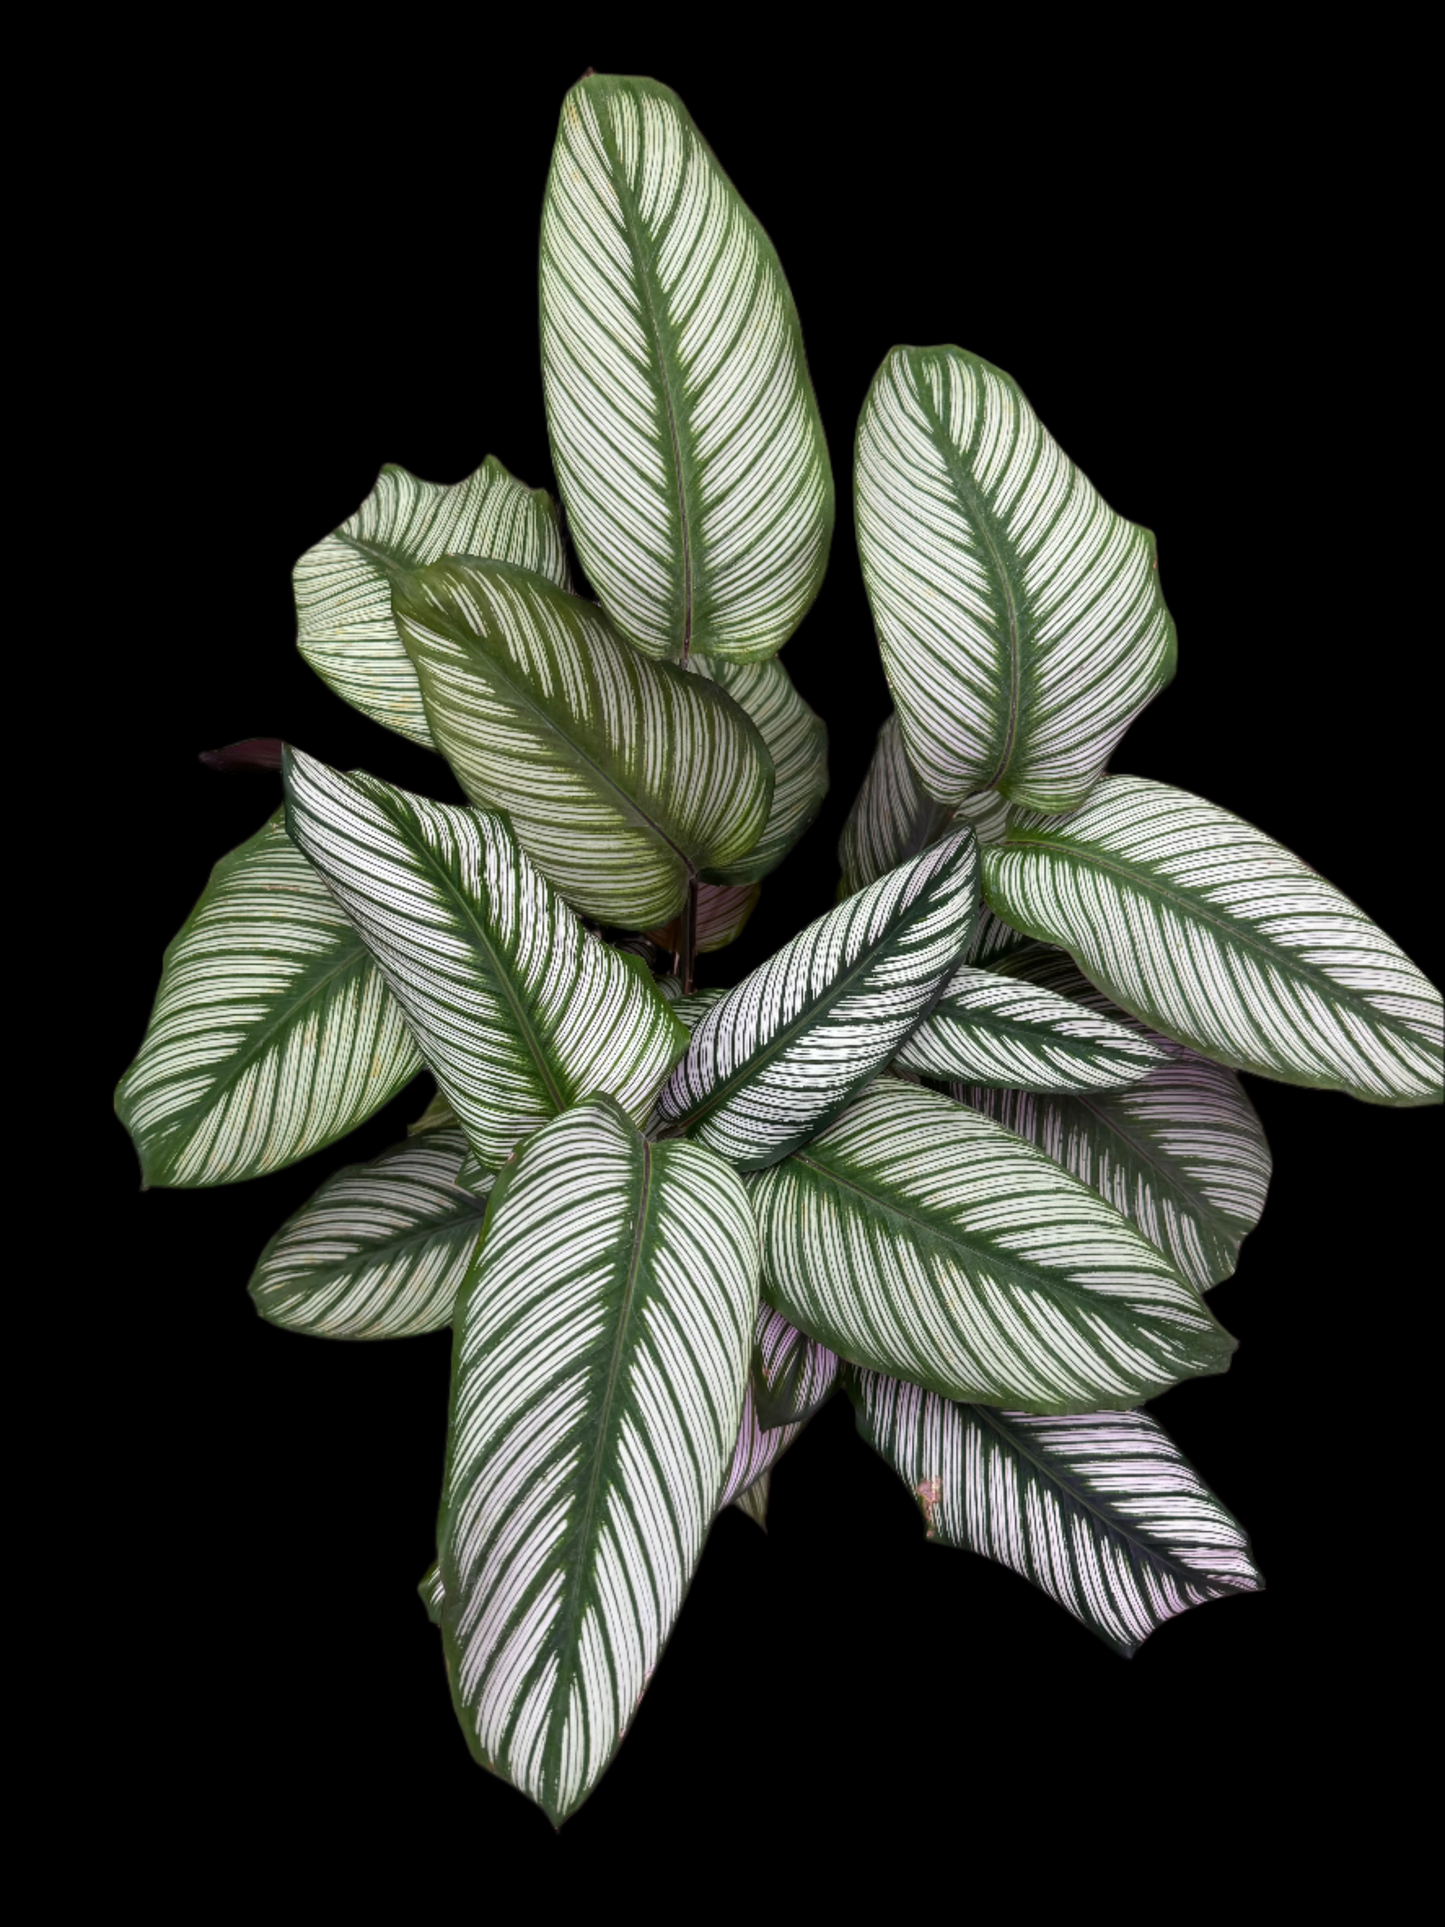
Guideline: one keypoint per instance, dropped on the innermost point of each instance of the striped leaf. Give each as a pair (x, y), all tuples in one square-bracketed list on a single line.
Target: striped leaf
[(1101, 1511), (720, 918), (518, 1012), (756, 1452), (684, 431), (380, 1251), (919, 1238), (433, 1593), (1183, 1154), (623, 778), (438, 1116), (781, 1053), (1019, 617), (690, 1010), (273, 1033), (343, 586), (793, 1375), (598, 1379), (797, 741), (753, 1504), (893, 817), (994, 1030), (1203, 927)]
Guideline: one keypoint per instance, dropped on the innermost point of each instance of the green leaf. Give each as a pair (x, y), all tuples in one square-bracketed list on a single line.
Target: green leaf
[(722, 913), (433, 1593), (273, 1033), (597, 1388), (380, 1251), (994, 1030), (623, 778), (1199, 924), (1183, 1154), (781, 1053), (1101, 1511), (690, 1010), (893, 817), (437, 1116), (343, 586), (917, 1237), (684, 430), (518, 1012), (797, 741), (753, 1503), (793, 1376), (755, 1454), (1019, 617)]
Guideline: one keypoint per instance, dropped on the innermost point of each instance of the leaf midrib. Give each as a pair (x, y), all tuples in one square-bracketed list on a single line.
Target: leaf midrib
[(1203, 1210), (456, 1217)]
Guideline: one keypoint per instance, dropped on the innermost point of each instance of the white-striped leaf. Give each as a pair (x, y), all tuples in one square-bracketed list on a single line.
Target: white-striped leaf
[(797, 741), (273, 1033), (1183, 1154), (893, 817), (1203, 927), (919, 1238), (995, 943), (623, 778), (598, 1379), (793, 1375), (380, 1251), (518, 1012), (995, 1030), (720, 918), (346, 630), (785, 1049), (756, 1452), (1101, 1511), (438, 1116), (753, 1503), (684, 431), (690, 1010), (1020, 618), (433, 1593)]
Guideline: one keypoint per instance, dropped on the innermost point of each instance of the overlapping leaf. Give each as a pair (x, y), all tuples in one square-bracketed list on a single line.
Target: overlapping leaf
[(755, 1454), (1182, 1154), (1019, 618), (518, 1012), (1100, 1510), (623, 778), (793, 1375), (598, 1381), (684, 431), (782, 1052), (1199, 924), (382, 1248), (273, 1033), (721, 916), (797, 741), (346, 630), (893, 817), (918, 1238), (997, 1031)]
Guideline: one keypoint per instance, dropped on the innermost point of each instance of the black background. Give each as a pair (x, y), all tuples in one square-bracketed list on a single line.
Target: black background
[(1198, 287)]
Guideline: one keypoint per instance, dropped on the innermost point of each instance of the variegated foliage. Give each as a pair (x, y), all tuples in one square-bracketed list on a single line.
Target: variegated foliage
[(756, 1452), (1019, 618), (893, 817), (623, 778), (792, 1376), (1182, 1154), (684, 431), (346, 629), (518, 1012), (1203, 927), (598, 1382), (721, 914), (994, 1030), (273, 1032), (797, 742), (781, 1053), (381, 1250), (1101, 1510), (917, 1237)]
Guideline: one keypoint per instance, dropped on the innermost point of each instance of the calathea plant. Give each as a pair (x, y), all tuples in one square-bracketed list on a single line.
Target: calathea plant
[(972, 1148)]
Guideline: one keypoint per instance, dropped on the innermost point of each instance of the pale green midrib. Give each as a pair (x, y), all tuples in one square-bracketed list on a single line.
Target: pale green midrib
[(582, 1534), (1086, 1501), (984, 522), (1038, 1280), (644, 281), (626, 805), (528, 1033), (1146, 884), (302, 1283), (749, 1068)]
